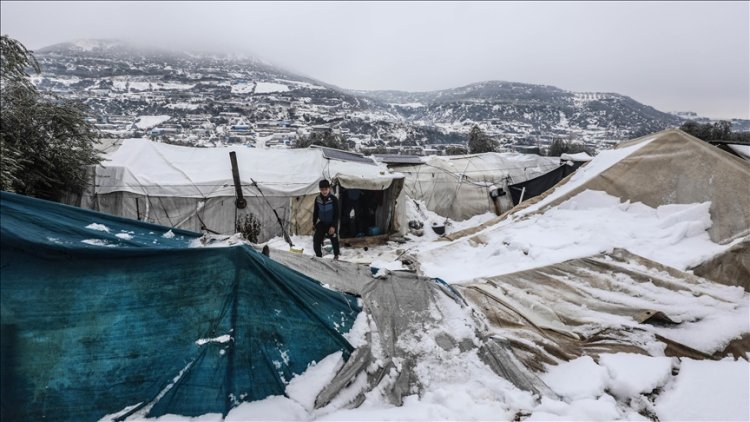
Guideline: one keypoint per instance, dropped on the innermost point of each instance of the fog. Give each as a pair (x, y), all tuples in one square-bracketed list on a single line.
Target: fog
[(674, 56)]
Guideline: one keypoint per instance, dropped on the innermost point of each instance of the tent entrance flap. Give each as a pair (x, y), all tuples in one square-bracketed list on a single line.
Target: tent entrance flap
[(363, 213)]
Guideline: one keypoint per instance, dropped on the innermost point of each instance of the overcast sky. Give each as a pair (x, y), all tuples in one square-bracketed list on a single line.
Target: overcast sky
[(675, 56)]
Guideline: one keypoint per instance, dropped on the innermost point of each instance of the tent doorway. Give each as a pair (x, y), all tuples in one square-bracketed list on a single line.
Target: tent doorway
[(363, 213)]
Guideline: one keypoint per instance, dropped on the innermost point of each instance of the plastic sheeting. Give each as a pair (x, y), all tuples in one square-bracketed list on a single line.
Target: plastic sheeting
[(607, 303), (155, 169), (731, 267), (144, 324), (402, 308), (540, 184), (459, 187)]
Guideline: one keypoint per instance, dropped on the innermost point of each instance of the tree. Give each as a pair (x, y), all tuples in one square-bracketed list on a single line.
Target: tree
[(45, 141), (479, 141), (455, 150), (718, 131), (560, 147), (325, 139)]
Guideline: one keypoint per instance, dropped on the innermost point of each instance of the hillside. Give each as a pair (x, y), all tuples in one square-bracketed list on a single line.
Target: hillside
[(208, 96)]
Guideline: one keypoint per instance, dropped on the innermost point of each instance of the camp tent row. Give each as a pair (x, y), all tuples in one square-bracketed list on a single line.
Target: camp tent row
[(194, 189)]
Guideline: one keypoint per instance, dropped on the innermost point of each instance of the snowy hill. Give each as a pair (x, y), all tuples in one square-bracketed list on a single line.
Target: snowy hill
[(118, 79)]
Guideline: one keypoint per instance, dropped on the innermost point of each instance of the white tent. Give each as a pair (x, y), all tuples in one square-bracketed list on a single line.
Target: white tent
[(460, 187), (193, 188)]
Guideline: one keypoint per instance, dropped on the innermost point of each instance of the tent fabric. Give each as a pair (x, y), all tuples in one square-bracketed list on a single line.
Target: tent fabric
[(459, 187), (608, 303), (156, 169), (402, 307), (540, 184), (672, 167), (731, 267), (148, 326)]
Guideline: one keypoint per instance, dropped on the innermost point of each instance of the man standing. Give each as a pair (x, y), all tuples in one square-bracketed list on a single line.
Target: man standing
[(325, 219)]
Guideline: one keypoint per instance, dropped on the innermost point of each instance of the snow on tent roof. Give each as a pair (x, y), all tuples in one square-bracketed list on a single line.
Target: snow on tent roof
[(609, 303), (344, 155), (669, 167), (156, 169), (90, 330)]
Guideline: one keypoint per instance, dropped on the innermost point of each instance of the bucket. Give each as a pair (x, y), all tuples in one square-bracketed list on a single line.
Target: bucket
[(373, 231), (438, 229)]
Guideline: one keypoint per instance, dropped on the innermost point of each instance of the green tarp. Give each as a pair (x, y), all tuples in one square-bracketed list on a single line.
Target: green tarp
[(95, 321)]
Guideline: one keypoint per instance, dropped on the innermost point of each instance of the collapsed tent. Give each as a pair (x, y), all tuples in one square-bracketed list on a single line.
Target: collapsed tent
[(194, 188), (104, 316), (609, 303), (415, 323), (668, 167), (731, 267), (460, 187)]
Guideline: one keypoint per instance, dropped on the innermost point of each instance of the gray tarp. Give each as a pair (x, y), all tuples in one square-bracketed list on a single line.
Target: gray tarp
[(403, 306)]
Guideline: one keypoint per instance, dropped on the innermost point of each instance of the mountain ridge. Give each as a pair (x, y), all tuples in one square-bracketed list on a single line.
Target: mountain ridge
[(513, 113)]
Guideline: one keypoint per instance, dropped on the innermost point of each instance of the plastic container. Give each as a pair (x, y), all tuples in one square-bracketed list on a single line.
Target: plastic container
[(373, 231)]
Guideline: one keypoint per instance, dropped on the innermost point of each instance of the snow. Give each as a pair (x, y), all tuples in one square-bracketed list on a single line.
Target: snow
[(408, 105), (221, 339), (268, 87), (708, 390), (98, 242), (182, 106), (590, 223), (168, 235), (147, 122), (458, 385), (98, 227), (124, 236), (577, 379), (243, 88), (619, 386), (600, 163), (631, 374), (124, 84)]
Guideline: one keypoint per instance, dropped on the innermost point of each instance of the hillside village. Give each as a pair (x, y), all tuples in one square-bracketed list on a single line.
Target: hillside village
[(202, 100)]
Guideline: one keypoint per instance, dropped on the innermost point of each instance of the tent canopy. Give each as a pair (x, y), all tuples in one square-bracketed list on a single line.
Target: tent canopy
[(458, 187), (668, 167), (155, 169), (95, 321)]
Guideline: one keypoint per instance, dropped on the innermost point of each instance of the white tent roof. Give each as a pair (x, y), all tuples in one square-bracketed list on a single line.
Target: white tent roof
[(148, 168), (492, 166)]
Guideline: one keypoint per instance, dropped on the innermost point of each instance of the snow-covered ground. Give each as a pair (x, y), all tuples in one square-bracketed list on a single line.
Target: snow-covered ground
[(610, 386), (619, 386), (147, 122), (268, 87)]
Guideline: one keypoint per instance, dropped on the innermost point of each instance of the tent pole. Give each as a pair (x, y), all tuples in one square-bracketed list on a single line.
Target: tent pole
[(240, 201)]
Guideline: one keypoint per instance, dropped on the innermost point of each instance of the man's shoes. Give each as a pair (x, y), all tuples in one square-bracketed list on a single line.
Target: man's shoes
[(335, 257)]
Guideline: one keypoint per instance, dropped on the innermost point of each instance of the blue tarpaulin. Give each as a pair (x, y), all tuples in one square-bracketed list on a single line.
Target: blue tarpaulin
[(101, 313)]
